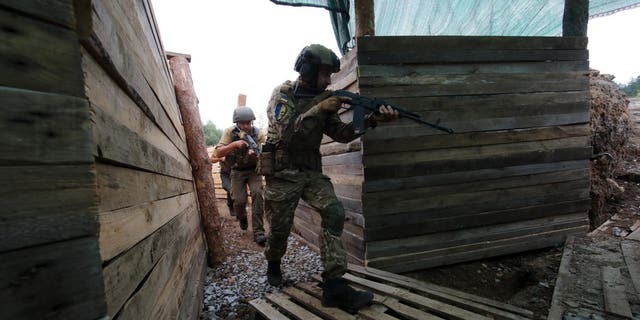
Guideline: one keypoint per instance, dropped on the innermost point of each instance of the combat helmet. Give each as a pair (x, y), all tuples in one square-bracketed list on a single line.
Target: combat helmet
[(313, 56), (243, 114)]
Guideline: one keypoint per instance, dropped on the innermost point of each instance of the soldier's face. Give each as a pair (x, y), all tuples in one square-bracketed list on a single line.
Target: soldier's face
[(244, 126), (324, 77)]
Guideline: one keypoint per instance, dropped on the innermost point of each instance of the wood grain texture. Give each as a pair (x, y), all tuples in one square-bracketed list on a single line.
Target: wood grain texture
[(122, 229), (475, 251), (120, 187), (112, 45), (61, 280), (32, 132), (58, 12), (125, 273), (43, 204), (39, 56), (384, 43)]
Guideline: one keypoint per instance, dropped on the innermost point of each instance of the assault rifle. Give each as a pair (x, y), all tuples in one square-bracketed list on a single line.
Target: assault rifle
[(363, 105)]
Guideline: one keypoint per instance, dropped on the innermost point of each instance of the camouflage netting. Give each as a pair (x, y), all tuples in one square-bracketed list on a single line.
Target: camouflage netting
[(611, 128)]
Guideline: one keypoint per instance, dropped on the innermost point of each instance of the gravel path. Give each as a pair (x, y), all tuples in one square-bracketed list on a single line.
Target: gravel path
[(242, 277)]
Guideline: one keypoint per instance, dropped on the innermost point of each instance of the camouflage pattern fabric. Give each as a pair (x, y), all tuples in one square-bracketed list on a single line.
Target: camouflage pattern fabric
[(282, 192)]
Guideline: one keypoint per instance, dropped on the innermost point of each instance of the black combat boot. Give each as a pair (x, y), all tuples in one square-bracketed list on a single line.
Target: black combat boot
[(274, 274), (336, 293)]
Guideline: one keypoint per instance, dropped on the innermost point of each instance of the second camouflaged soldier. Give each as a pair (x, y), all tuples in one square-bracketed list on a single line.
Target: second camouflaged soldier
[(300, 112), (234, 146)]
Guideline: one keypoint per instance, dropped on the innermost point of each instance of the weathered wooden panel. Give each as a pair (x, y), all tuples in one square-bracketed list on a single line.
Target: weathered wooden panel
[(120, 187), (117, 132), (155, 298), (121, 229), (128, 61), (61, 280), (32, 133), (426, 43), (39, 56), (43, 204), (55, 11), (126, 273), (477, 250), (470, 175)]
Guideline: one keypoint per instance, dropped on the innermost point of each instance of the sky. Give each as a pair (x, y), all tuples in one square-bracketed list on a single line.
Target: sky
[(249, 47)]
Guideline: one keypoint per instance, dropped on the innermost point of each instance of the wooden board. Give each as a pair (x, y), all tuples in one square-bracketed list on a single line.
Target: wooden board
[(120, 187), (479, 304), (53, 11), (473, 251), (427, 43), (471, 84), (371, 186), (126, 272), (62, 280), (38, 55), (469, 68), (121, 229), (615, 299), (130, 68), (149, 299), (393, 299), (32, 130), (631, 253), (43, 204), (408, 226), (533, 156), (470, 235), (112, 125), (378, 144)]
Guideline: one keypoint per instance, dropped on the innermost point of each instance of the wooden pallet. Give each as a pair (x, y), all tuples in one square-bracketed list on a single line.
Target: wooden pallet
[(395, 297), (598, 278)]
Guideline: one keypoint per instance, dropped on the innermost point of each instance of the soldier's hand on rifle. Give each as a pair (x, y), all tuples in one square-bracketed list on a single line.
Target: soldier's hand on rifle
[(333, 103), (240, 144), (387, 113)]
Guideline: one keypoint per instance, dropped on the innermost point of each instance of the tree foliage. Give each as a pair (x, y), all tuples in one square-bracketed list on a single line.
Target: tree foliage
[(632, 89), (211, 133)]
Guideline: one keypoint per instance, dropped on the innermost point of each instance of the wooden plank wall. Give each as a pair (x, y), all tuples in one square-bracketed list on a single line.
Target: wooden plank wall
[(514, 176), (343, 164), (151, 246), (49, 262)]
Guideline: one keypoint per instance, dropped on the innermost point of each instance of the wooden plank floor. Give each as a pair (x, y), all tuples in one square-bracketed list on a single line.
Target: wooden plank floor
[(395, 297), (599, 278)]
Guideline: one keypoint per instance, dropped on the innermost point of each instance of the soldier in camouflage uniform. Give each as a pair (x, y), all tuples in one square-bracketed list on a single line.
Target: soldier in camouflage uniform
[(300, 112), (234, 147)]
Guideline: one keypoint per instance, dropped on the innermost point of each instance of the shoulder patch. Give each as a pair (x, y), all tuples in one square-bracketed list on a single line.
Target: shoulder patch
[(281, 110)]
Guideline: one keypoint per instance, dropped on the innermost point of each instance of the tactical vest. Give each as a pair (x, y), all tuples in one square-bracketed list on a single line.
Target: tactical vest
[(293, 151), (239, 158)]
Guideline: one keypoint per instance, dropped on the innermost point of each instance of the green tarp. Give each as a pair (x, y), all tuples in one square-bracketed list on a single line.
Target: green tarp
[(457, 17)]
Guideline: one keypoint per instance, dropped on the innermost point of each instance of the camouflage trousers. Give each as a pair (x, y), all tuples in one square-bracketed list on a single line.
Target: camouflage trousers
[(282, 192)]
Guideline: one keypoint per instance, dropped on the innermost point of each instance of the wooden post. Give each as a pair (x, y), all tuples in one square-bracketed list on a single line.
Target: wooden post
[(365, 18), (198, 157), (242, 100), (575, 18)]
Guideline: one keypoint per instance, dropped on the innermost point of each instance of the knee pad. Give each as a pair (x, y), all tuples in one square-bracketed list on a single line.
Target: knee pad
[(333, 218)]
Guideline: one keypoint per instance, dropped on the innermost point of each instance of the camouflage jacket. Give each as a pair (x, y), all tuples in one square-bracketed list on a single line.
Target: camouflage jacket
[(296, 126)]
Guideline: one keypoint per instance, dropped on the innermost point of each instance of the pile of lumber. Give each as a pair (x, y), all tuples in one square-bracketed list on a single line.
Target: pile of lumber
[(395, 297)]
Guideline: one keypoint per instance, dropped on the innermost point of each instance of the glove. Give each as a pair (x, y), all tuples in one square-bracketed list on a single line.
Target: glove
[(332, 104)]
